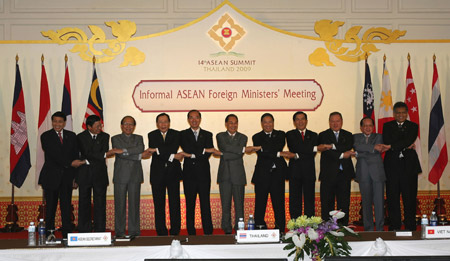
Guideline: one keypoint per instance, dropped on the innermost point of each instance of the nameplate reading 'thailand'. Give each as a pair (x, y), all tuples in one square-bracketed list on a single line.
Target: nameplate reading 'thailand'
[(227, 95)]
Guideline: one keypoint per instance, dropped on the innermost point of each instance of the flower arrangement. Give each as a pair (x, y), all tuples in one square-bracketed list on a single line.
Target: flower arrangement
[(317, 238)]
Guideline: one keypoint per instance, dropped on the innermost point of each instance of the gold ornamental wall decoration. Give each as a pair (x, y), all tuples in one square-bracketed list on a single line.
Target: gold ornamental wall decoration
[(86, 47), (352, 48)]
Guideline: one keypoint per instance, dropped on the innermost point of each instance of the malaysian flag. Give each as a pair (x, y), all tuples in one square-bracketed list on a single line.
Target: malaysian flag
[(19, 154), (385, 113), (45, 122), (66, 106), (437, 146), (94, 105), (413, 107), (368, 97)]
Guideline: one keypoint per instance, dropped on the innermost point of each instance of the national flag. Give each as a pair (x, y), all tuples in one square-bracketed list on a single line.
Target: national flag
[(385, 113), (19, 154), (66, 106), (368, 97), (94, 105), (413, 108), (437, 145), (44, 123)]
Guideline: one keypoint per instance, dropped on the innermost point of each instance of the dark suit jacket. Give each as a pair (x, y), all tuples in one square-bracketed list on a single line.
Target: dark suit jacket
[(93, 151), (267, 156), (369, 164), (197, 169), (161, 162), (231, 165), (127, 166), (329, 160), (305, 165), (57, 168), (400, 140)]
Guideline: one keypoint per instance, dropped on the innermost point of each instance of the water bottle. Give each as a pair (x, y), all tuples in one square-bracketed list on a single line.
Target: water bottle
[(241, 224), (251, 222), (31, 235), (433, 219), (41, 231), (424, 224)]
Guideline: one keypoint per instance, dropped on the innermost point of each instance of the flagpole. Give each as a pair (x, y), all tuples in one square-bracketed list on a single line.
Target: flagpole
[(439, 203), (11, 216)]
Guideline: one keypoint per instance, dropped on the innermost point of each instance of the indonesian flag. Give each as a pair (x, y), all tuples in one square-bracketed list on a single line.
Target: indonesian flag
[(44, 123), (66, 106), (437, 146), (413, 107), (19, 153), (385, 113), (368, 97), (94, 105)]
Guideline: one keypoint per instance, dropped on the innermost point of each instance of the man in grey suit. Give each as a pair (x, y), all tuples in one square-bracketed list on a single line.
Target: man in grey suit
[(128, 177), (231, 175), (370, 173)]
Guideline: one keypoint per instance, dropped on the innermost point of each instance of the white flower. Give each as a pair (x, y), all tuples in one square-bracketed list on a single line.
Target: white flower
[(338, 234), (289, 234), (299, 241), (337, 214), (312, 234), (350, 230)]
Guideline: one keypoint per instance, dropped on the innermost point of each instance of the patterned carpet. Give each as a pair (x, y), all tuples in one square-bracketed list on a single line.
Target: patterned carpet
[(28, 209)]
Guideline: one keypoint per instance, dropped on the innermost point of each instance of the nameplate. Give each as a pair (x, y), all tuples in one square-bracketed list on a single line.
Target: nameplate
[(258, 236), (89, 239), (403, 234), (437, 232)]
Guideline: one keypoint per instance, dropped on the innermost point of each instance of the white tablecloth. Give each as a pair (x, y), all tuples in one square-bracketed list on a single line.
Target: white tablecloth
[(397, 248)]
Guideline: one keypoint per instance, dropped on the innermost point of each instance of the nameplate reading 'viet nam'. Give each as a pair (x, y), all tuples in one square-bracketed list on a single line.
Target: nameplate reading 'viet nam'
[(437, 232), (258, 236), (227, 95)]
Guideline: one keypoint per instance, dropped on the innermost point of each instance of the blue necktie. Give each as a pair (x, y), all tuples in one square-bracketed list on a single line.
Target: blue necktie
[(337, 140)]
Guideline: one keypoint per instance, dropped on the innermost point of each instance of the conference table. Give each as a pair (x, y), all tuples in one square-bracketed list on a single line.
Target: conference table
[(214, 247)]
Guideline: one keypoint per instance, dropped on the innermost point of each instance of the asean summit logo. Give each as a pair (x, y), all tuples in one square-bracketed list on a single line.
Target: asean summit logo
[(226, 32)]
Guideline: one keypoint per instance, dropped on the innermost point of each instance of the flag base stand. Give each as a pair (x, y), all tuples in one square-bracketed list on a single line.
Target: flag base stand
[(11, 228)]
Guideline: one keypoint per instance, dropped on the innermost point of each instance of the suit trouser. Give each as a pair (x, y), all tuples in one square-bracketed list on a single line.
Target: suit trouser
[(228, 190), (84, 208), (203, 189), (399, 182), (133, 189), (335, 188), (275, 187), (64, 193), (302, 188), (159, 201), (372, 192)]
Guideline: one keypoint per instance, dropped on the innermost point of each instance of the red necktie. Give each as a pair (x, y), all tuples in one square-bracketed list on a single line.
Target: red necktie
[(303, 136), (60, 137)]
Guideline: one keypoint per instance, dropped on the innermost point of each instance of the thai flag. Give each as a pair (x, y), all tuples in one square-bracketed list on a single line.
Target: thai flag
[(437, 145), (243, 235)]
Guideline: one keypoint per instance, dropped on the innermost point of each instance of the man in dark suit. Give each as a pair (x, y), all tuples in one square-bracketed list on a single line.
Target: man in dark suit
[(402, 166), (165, 173), (231, 175), (303, 145), (58, 173), (336, 168), (92, 177), (128, 176), (370, 173), (197, 144), (270, 172)]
